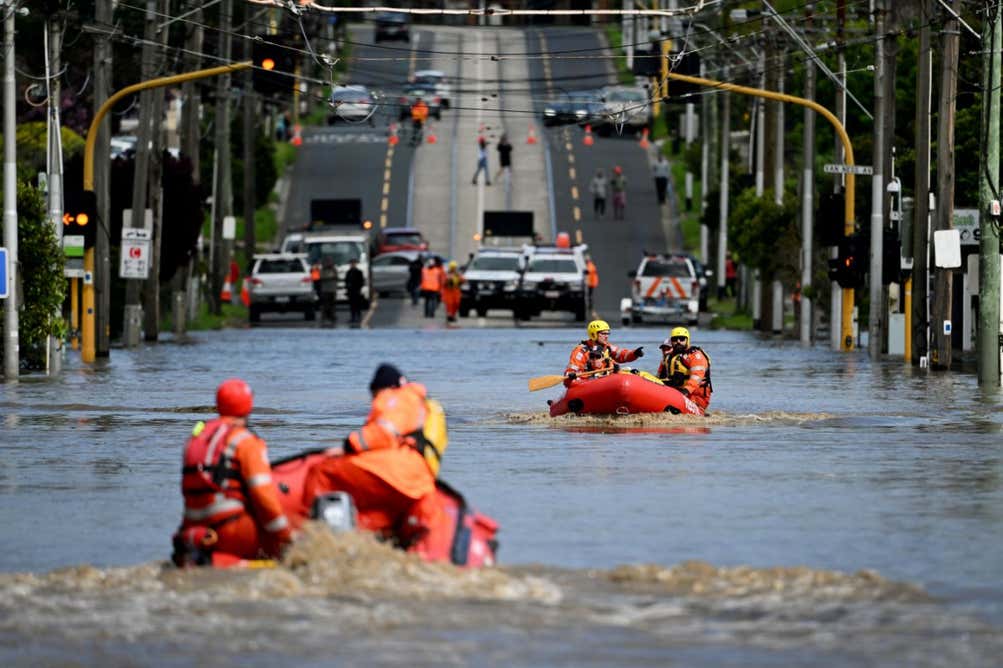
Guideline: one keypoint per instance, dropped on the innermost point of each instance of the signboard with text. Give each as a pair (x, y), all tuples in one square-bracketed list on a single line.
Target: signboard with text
[(134, 261), (966, 222)]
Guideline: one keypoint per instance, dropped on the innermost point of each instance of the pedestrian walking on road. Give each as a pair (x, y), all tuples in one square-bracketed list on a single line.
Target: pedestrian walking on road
[(504, 158), (414, 279), (482, 162), (661, 173), (354, 282), (328, 287), (618, 184), (600, 189), (433, 276)]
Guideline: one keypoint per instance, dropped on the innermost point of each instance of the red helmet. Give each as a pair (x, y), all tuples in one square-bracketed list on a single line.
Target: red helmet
[(234, 398)]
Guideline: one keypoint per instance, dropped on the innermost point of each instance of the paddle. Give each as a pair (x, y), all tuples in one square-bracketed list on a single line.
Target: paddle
[(543, 382)]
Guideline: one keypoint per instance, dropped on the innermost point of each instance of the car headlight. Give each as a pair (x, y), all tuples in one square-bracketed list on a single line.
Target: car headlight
[(511, 285), (465, 287)]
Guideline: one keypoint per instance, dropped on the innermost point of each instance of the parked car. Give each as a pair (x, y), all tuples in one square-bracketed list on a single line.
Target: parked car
[(281, 282), (438, 80), (351, 103), (293, 243), (411, 94), (553, 280), (665, 288), (626, 106), (400, 238), (582, 106), (391, 270), (391, 26), (342, 247), (492, 281)]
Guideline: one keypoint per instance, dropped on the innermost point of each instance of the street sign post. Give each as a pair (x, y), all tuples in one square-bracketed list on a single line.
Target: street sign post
[(3, 273), (860, 170)]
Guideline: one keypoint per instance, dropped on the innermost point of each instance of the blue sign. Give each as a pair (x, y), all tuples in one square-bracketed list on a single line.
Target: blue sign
[(3, 273)]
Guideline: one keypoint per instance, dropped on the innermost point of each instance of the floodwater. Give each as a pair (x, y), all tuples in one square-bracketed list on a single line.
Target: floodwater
[(830, 511)]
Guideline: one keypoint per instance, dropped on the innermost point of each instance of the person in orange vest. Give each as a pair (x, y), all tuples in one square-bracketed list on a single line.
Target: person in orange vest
[(686, 367), (433, 278), (231, 504), (419, 114), (591, 277), (451, 292), (597, 354), (382, 467)]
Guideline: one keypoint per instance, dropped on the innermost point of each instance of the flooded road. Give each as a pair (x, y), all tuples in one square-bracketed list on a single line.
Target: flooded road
[(830, 511)]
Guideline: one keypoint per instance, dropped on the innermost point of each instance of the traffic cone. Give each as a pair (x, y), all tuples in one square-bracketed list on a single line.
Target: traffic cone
[(588, 140), (644, 138), (431, 138), (297, 139), (226, 294), (393, 138), (245, 293), (531, 138)]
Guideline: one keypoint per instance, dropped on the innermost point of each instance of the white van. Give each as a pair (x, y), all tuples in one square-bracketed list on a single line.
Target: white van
[(343, 248)]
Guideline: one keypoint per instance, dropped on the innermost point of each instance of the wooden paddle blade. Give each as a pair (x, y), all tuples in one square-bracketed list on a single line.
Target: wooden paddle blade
[(543, 382)]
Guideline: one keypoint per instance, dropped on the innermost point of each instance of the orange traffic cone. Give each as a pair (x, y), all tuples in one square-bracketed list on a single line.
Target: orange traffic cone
[(588, 140), (393, 138), (644, 138), (431, 139), (226, 294), (531, 138), (245, 293), (297, 139)]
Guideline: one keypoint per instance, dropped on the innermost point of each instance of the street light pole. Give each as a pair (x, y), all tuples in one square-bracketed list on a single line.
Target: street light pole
[(12, 344)]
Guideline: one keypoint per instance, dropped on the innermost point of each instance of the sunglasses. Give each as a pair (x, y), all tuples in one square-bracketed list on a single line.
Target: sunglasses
[(677, 338)]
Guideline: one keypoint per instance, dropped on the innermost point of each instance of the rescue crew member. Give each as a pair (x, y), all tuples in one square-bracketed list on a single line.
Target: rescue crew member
[(596, 353), (432, 279), (591, 277), (231, 503), (383, 466), (451, 291), (419, 114), (686, 367)]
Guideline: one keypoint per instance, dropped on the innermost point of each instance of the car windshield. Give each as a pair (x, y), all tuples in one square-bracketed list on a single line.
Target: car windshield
[(495, 263), (428, 78), (403, 239), (553, 265), (626, 96), (291, 266), (341, 251), (349, 96), (678, 269)]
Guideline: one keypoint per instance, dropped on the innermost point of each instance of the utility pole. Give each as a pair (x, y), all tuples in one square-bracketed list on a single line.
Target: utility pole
[(835, 291), (102, 181), (705, 131), (722, 237), (54, 35), (777, 309), (12, 341), (918, 283), (140, 178), (249, 101), (807, 193), (875, 315), (940, 314), (221, 197), (989, 192)]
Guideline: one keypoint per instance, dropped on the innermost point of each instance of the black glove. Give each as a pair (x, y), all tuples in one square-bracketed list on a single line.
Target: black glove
[(684, 392), (639, 351), (616, 368), (572, 376)]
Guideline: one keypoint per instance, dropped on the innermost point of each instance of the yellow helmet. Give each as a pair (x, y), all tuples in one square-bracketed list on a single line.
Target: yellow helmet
[(595, 327), (452, 264), (680, 331)]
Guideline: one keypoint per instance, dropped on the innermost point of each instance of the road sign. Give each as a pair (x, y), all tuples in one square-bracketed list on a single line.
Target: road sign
[(73, 249), (860, 170), (134, 261), (966, 222), (3, 273)]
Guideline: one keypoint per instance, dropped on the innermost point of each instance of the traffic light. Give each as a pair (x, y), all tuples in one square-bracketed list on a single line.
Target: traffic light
[(274, 66), (829, 219), (848, 269), (81, 215), (891, 258)]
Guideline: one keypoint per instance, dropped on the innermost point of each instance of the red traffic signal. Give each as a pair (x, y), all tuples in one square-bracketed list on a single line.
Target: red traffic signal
[(848, 269)]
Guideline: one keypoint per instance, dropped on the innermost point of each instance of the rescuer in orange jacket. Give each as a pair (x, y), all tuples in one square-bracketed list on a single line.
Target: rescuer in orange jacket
[(597, 353), (382, 467), (591, 277), (451, 292), (433, 278), (686, 367), (231, 504), (419, 114)]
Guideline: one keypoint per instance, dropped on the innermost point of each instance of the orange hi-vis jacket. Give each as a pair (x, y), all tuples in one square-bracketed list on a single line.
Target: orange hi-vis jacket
[(419, 112), (227, 486), (592, 355), (690, 371), (592, 279), (432, 279)]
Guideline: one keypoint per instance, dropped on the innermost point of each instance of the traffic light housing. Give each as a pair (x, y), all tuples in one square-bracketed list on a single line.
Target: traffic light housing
[(848, 269), (274, 66), (80, 215)]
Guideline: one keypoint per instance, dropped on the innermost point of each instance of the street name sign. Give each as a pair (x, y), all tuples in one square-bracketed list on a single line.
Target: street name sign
[(860, 170)]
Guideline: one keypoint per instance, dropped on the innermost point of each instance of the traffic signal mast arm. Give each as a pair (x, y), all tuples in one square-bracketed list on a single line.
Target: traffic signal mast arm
[(851, 180)]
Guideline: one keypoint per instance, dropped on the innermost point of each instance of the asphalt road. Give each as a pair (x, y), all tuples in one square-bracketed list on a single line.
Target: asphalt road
[(429, 187)]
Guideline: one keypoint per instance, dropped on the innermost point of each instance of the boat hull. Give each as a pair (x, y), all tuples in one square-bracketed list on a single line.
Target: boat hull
[(623, 393)]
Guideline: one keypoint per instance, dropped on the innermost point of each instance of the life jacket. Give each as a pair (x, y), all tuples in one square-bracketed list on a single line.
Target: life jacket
[(677, 372), (210, 482), (595, 355), (432, 439), (453, 280)]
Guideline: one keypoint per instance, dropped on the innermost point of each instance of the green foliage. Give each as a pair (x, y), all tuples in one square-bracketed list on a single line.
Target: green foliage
[(31, 148), (40, 270), (765, 235)]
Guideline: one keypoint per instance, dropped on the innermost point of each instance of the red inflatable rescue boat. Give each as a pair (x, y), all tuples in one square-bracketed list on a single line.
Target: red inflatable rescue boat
[(623, 393)]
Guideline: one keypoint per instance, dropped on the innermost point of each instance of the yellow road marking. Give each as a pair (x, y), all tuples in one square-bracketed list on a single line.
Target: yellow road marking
[(386, 187), (574, 191), (384, 205), (383, 220), (578, 232), (572, 174), (577, 212)]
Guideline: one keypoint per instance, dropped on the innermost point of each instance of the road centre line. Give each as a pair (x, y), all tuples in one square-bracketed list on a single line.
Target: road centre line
[(385, 204), (574, 191), (571, 173), (383, 220), (386, 187), (576, 212)]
